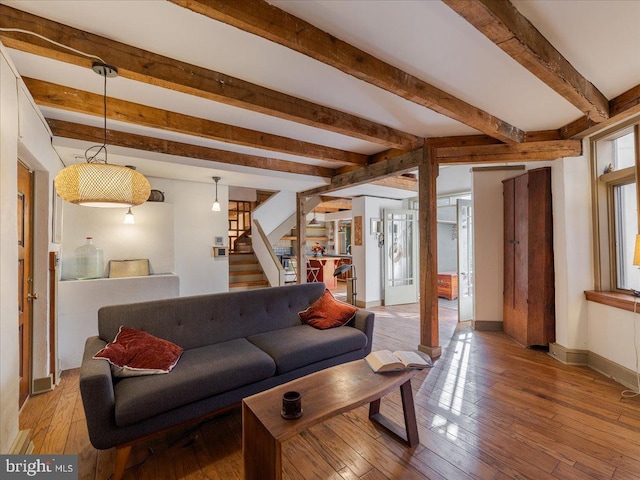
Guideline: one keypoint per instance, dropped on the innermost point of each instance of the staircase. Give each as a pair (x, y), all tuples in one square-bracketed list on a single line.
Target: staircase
[(244, 269)]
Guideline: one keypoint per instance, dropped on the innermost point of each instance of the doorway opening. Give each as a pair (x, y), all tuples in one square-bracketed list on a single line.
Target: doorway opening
[(455, 254)]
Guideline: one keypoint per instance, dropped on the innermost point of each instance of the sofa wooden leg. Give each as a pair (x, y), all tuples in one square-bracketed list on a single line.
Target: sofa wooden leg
[(122, 455)]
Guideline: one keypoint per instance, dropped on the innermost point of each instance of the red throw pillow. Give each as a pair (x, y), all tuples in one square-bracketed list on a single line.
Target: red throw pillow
[(327, 312), (134, 352)]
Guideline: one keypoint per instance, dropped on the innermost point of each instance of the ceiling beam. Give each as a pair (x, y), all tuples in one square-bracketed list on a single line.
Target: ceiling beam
[(377, 171), (501, 23), (335, 203), (147, 67), (402, 183), (621, 108), (262, 19), (461, 141), (522, 152), (76, 131), (478, 140), (71, 99)]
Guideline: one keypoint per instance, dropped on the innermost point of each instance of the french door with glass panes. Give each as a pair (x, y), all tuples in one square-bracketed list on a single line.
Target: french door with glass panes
[(400, 256)]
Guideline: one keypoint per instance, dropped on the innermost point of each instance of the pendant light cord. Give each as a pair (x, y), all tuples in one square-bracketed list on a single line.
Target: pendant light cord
[(92, 159), (19, 30), (89, 159)]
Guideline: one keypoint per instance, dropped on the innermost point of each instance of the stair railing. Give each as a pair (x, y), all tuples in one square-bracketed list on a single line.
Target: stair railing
[(271, 266), (269, 222)]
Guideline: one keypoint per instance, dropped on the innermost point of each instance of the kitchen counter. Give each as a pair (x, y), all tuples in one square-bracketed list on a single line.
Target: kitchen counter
[(327, 264)]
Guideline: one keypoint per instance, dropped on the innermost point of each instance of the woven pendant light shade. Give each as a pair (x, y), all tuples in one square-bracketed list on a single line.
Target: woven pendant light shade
[(102, 185)]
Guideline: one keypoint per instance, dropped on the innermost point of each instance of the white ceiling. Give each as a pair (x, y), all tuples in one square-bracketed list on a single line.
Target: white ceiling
[(425, 38)]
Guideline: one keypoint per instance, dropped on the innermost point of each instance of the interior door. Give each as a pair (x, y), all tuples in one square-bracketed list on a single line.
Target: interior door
[(400, 257), (465, 260), (25, 279)]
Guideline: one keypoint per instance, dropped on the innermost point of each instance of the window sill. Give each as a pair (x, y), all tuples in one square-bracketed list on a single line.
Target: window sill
[(623, 301)]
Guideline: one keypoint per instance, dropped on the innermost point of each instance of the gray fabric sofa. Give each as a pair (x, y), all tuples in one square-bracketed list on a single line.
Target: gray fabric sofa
[(235, 344)]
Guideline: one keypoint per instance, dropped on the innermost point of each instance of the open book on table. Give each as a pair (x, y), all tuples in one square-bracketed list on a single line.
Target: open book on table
[(387, 361)]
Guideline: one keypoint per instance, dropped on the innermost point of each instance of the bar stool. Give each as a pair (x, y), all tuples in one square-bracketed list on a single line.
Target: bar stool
[(291, 272), (312, 272)]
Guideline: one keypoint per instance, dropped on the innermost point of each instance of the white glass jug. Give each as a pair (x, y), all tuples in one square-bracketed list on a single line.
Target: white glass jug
[(89, 261)]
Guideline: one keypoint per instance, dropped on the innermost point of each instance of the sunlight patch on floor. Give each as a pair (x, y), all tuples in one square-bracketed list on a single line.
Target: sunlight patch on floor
[(451, 400)]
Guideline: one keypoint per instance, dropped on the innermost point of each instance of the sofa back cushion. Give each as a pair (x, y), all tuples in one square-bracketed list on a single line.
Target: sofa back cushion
[(193, 322)]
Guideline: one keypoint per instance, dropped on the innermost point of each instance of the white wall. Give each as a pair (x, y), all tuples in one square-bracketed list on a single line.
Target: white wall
[(8, 257), (23, 136), (368, 257), (35, 150), (81, 299), (572, 245), (278, 208), (243, 194), (176, 235), (488, 221), (195, 227), (151, 237), (453, 179), (612, 333)]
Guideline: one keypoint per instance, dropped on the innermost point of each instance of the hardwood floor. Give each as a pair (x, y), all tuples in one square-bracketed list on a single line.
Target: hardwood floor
[(489, 409)]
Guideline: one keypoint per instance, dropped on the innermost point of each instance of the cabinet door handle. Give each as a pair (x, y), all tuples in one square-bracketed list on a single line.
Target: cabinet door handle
[(32, 296)]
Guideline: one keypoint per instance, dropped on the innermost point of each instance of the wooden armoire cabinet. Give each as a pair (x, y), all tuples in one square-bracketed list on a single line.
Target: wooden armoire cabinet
[(529, 292)]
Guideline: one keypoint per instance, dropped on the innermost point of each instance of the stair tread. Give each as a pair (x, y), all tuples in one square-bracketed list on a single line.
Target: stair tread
[(248, 284), (246, 272)]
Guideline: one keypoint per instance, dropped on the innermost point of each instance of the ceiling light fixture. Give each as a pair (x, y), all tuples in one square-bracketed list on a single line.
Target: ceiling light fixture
[(216, 203), (97, 183), (129, 219), (314, 220)]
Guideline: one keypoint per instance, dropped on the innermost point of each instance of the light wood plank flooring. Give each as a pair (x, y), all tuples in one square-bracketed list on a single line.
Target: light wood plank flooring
[(489, 409)]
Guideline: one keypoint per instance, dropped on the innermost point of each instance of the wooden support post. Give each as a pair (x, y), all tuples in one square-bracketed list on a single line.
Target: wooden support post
[(427, 198), (301, 239)]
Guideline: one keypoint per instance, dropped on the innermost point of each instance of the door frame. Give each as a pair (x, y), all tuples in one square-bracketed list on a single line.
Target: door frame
[(43, 378), (465, 231), (406, 293)]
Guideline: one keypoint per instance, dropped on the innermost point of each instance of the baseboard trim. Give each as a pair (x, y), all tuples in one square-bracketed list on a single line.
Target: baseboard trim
[(569, 356), (614, 371), (487, 325), (22, 445), (433, 352), (608, 368), (375, 303), (42, 385)]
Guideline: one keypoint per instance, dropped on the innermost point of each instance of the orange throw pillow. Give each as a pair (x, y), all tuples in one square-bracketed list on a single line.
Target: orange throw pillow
[(327, 312), (134, 352)]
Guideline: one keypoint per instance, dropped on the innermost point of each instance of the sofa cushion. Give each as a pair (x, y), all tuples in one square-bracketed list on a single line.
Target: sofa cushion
[(201, 373), (296, 347), (134, 352), (327, 312), (202, 320)]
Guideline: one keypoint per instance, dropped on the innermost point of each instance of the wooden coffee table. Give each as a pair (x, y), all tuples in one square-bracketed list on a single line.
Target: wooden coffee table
[(324, 394)]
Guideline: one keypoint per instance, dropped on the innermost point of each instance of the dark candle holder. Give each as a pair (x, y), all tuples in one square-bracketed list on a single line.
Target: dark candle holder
[(291, 405)]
